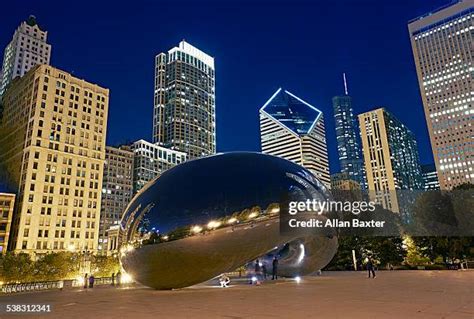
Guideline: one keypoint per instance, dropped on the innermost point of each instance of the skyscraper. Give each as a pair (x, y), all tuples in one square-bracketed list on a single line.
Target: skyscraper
[(7, 202), (391, 157), (430, 177), (294, 129), (442, 43), (117, 190), (150, 160), (53, 140), (27, 49), (347, 135), (184, 116), (345, 189)]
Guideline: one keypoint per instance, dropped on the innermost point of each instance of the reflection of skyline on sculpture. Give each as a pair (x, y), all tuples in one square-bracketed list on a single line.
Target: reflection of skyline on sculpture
[(201, 219)]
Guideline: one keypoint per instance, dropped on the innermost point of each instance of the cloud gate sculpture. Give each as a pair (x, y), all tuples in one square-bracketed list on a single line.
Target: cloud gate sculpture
[(212, 215)]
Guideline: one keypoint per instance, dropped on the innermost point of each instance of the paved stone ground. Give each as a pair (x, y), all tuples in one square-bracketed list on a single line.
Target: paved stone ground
[(396, 294)]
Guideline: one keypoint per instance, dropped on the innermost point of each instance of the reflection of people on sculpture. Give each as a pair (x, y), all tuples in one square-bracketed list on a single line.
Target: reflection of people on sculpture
[(214, 203), (119, 278), (224, 281), (257, 269)]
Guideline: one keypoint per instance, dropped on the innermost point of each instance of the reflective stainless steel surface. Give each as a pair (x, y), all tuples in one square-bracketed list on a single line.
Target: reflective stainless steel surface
[(211, 215)]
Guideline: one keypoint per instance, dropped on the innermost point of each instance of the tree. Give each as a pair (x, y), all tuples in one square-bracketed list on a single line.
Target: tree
[(462, 198), (448, 248), (414, 256), (385, 250), (57, 266), (104, 266), (16, 267)]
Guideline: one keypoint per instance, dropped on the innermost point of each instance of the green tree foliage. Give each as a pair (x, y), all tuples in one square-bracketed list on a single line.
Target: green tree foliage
[(53, 266), (414, 255), (444, 213), (56, 266), (384, 250), (16, 267), (445, 248), (450, 213), (462, 198), (433, 214), (104, 266)]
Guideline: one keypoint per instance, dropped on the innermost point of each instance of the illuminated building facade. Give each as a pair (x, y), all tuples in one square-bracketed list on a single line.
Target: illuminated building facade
[(53, 140), (27, 48), (184, 116), (343, 188), (117, 190), (391, 157), (294, 130), (150, 160), (430, 177), (7, 202), (347, 136), (442, 43)]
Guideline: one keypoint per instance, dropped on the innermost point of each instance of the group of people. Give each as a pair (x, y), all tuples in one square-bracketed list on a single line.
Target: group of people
[(261, 272), (117, 277), (90, 280)]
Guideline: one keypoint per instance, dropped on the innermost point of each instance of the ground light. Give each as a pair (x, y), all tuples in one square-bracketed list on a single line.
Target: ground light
[(213, 224), (80, 280), (196, 229), (232, 220), (126, 278), (252, 215), (298, 279)]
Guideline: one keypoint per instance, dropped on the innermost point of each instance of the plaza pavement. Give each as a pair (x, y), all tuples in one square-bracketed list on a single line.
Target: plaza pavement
[(395, 294)]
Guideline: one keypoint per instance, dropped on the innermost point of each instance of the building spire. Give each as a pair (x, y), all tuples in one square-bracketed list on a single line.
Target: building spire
[(345, 84)]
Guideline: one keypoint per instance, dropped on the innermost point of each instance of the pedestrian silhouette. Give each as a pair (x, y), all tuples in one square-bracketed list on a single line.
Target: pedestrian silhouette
[(119, 278), (370, 266), (275, 268), (91, 281), (264, 271)]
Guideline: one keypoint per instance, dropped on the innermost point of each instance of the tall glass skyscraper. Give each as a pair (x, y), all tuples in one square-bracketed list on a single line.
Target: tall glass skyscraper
[(430, 177), (442, 43), (294, 129), (348, 140), (184, 116), (391, 157)]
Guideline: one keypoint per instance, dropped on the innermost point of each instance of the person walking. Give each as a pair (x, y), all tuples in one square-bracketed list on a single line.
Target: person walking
[(91, 281), (275, 268), (113, 279), (370, 266), (86, 280)]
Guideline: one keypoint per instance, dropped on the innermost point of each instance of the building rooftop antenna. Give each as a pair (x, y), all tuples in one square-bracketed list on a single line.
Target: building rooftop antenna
[(345, 83)]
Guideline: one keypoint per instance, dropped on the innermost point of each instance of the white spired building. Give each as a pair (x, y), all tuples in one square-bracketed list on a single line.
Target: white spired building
[(294, 129), (27, 49)]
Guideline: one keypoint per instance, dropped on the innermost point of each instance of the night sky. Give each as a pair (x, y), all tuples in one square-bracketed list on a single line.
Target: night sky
[(259, 46)]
